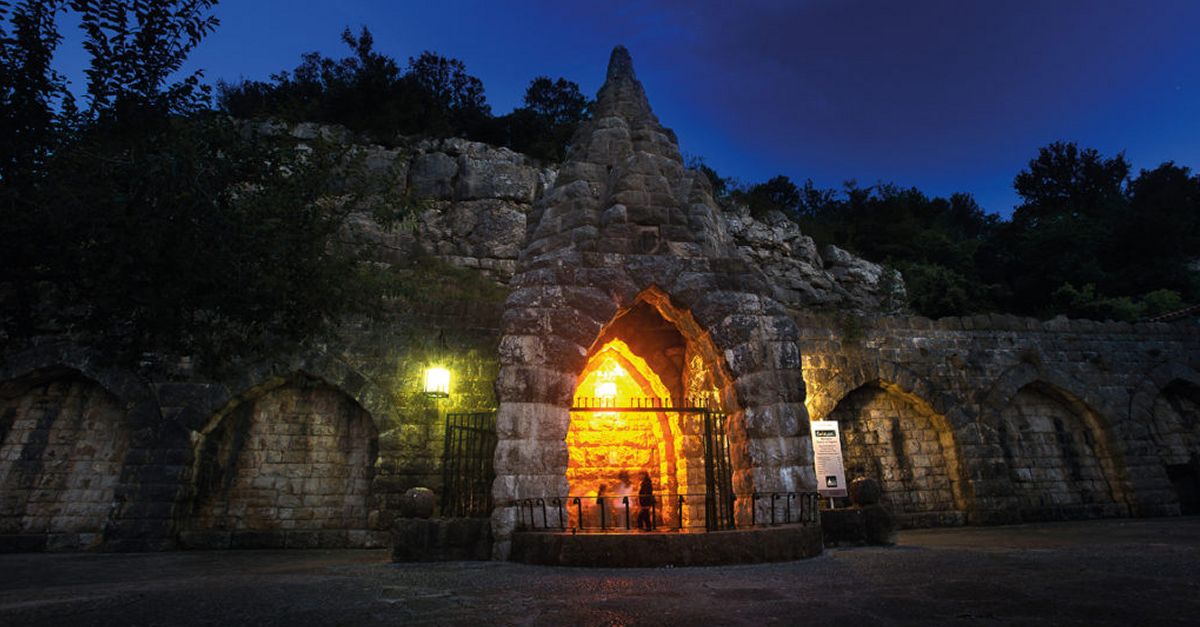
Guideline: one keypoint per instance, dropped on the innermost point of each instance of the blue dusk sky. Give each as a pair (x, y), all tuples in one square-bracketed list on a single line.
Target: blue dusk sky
[(942, 95)]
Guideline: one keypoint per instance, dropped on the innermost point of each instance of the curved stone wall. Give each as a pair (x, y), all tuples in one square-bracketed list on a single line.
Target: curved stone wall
[(63, 441), (1048, 420), (908, 447), (293, 467)]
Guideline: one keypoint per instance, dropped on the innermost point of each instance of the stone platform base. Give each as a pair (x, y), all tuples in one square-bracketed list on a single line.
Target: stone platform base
[(280, 539), (36, 543), (441, 539), (950, 518), (649, 550), (857, 526)]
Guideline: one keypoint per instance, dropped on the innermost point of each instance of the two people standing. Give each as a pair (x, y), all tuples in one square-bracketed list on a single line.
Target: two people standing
[(645, 499)]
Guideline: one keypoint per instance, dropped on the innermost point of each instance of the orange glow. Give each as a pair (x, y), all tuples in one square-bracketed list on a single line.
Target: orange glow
[(617, 376), (604, 444)]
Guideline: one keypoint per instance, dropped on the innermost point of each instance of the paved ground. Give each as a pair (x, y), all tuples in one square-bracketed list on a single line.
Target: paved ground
[(1115, 572)]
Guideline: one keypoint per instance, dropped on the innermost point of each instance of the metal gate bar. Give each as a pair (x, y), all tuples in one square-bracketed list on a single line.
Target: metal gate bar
[(718, 470), (718, 474), (467, 466)]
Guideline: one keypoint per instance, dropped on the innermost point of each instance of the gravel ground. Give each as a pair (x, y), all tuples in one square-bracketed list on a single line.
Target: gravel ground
[(1113, 572)]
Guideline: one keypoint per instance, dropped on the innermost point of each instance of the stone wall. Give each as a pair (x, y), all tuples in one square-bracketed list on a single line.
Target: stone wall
[(173, 456), (62, 443), (292, 467), (803, 278), (983, 420), (473, 203), (906, 446), (1045, 420)]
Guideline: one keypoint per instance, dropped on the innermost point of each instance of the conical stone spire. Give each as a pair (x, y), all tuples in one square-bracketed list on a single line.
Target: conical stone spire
[(626, 223), (624, 188), (622, 94)]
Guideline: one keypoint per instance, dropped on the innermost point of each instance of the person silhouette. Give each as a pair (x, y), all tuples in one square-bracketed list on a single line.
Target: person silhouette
[(645, 518)]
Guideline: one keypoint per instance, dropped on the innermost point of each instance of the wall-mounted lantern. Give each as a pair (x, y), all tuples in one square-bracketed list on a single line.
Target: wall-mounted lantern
[(437, 382), (437, 377)]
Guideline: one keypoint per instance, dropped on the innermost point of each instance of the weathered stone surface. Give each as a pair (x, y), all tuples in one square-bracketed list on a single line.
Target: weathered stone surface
[(418, 503), (790, 542), (62, 447), (800, 277), (292, 460)]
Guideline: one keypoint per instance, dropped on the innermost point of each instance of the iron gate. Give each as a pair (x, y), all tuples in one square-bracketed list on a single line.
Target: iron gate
[(467, 470), (718, 469), (718, 474)]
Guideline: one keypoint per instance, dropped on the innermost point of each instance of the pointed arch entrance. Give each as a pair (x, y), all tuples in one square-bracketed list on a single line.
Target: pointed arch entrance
[(649, 403)]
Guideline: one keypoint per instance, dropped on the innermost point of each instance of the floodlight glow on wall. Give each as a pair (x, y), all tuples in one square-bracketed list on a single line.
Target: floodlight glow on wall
[(437, 383)]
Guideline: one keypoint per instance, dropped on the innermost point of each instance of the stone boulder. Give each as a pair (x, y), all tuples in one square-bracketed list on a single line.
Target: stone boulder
[(418, 503)]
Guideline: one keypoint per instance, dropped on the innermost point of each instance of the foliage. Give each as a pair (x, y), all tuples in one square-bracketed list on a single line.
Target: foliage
[(544, 126), (722, 187), (365, 92), (434, 96), (30, 90), (779, 193), (158, 226), (556, 101), (135, 47), (1086, 241)]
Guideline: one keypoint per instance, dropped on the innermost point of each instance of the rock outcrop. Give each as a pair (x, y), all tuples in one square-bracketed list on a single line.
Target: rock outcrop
[(474, 202), (802, 278)]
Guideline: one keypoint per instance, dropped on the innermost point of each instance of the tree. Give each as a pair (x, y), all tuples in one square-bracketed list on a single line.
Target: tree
[(161, 227), (1159, 236), (135, 48), (1062, 233), (558, 102), (544, 126), (1066, 183), (451, 91), (30, 90), (779, 193)]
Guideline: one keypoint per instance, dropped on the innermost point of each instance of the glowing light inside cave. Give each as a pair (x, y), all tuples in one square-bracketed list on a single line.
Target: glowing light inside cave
[(606, 446), (606, 390)]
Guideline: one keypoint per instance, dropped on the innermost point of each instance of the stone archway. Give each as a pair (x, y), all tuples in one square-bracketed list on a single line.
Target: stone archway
[(1175, 431), (291, 466), (63, 441), (898, 439), (1059, 455), (650, 355)]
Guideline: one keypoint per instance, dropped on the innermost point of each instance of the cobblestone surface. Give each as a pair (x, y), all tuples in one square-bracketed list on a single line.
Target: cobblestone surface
[(1114, 572)]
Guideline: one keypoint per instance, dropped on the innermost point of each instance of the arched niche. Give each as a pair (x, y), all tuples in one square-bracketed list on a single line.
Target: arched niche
[(898, 439), (1060, 456), (653, 354), (296, 456), (1175, 431), (63, 441)]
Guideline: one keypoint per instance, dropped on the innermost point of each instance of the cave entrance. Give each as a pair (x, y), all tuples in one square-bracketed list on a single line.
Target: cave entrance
[(646, 407)]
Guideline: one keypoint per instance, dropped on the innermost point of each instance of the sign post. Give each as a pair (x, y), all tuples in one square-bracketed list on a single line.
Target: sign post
[(827, 458)]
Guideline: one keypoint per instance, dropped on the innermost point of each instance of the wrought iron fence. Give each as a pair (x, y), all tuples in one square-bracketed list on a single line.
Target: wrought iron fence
[(668, 512), (643, 403)]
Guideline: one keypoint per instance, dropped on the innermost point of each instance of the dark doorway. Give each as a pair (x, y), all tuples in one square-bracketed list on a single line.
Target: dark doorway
[(1185, 478)]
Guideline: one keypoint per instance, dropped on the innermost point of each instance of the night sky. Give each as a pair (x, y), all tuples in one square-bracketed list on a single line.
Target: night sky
[(945, 96)]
